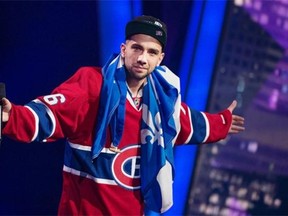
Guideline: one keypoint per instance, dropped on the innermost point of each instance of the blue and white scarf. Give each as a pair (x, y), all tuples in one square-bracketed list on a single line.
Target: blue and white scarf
[(159, 127)]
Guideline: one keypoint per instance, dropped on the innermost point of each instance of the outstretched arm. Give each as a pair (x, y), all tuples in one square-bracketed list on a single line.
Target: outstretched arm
[(202, 127), (237, 124)]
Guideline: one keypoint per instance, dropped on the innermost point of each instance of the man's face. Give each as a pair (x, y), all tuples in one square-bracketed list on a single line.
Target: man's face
[(141, 54)]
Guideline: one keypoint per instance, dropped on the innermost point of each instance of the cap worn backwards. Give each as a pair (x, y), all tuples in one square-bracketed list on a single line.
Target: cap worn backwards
[(147, 25)]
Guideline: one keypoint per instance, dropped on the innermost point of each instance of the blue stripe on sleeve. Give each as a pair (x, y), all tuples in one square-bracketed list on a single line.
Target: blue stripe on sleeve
[(45, 123), (199, 127)]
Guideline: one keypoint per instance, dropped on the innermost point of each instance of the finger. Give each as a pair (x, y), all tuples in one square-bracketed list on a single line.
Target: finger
[(237, 118), (236, 129), (232, 106), (237, 121), (6, 104), (4, 101)]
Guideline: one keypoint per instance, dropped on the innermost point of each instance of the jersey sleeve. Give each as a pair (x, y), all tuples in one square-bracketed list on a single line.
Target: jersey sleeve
[(202, 127), (59, 114)]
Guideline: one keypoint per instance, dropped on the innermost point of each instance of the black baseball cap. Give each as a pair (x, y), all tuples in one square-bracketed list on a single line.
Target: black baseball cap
[(147, 25)]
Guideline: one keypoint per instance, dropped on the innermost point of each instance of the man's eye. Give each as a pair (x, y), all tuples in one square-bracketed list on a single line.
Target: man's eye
[(136, 48), (153, 53)]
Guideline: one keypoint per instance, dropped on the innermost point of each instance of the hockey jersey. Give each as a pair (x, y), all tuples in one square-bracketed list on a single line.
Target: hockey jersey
[(110, 184)]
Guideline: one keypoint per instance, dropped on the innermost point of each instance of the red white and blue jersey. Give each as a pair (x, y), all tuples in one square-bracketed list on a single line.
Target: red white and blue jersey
[(110, 184)]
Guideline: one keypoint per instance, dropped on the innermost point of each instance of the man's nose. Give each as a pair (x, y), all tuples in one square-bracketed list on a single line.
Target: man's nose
[(142, 58)]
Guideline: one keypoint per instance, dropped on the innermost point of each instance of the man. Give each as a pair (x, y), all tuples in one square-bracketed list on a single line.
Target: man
[(121, 123)]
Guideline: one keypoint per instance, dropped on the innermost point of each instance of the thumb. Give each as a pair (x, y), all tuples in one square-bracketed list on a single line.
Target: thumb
[(6, 105), (232, 106)]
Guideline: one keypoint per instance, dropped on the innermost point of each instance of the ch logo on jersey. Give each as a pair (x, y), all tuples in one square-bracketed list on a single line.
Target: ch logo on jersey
[(126, 167)]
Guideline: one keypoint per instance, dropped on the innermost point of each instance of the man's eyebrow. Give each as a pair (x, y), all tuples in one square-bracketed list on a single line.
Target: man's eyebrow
[(156, 51), (136, 44)]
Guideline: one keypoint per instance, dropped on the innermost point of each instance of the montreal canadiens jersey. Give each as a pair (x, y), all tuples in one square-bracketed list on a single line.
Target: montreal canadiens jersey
[(110, 184)]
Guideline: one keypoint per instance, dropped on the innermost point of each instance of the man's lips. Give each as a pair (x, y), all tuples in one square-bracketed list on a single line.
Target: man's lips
[(139, 68)]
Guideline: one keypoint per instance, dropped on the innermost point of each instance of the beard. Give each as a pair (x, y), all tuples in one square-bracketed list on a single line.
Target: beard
[(133, 74)]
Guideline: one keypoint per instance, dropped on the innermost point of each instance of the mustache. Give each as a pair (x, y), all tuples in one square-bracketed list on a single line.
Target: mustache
[(137, 65)]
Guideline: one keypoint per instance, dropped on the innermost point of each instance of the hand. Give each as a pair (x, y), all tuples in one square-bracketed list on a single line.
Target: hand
[(237, 124), (7, 106)]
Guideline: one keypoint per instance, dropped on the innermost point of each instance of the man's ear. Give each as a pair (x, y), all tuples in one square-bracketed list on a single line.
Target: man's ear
[(161, 58), (122, 49)]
